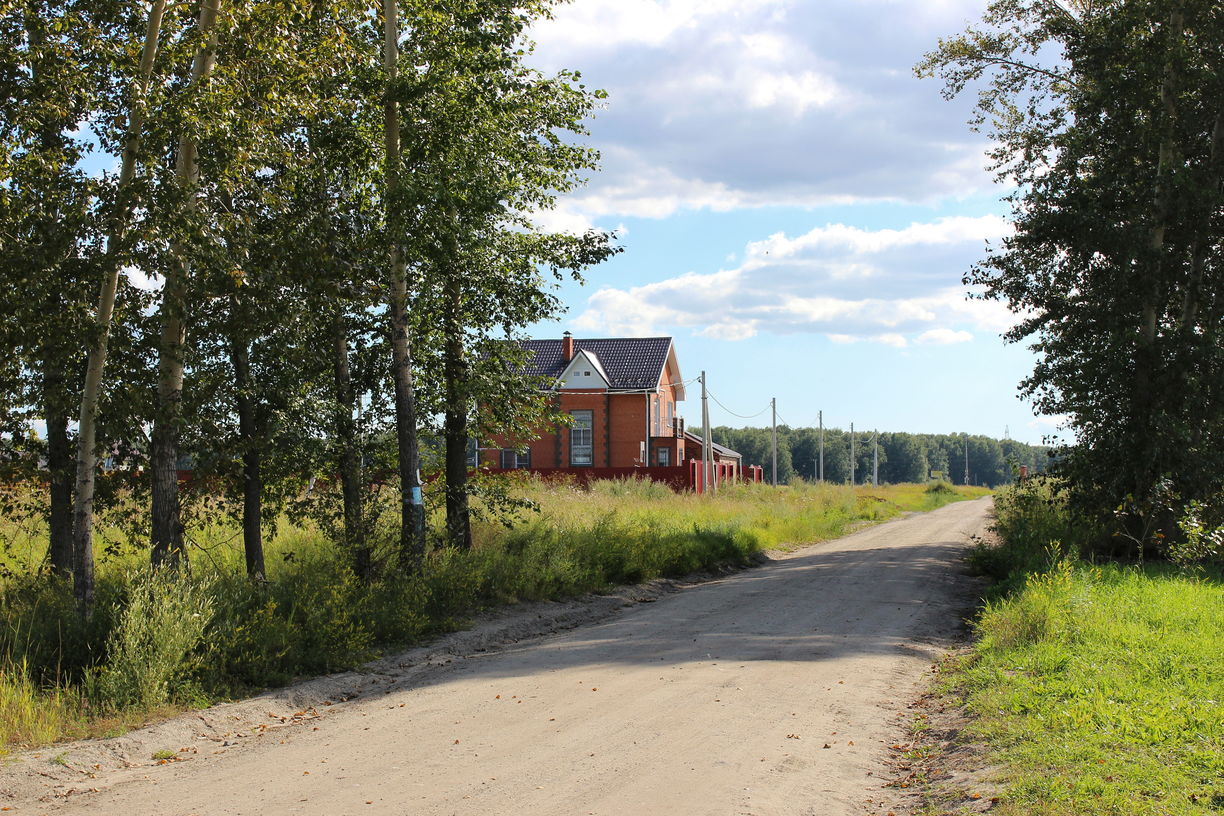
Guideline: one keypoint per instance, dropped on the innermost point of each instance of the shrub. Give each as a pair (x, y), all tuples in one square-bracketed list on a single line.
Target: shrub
[(161, 622)]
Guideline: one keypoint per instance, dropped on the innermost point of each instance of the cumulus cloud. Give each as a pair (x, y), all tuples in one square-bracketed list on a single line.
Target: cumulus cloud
[(724, 104), (944, 337), (893, 287)]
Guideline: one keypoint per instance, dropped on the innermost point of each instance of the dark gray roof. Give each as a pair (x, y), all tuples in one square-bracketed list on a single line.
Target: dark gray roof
[(631, 363), (722, 450)]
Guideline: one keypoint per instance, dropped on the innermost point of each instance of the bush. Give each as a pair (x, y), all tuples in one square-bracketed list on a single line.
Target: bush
[(940, 488), (161, 622)]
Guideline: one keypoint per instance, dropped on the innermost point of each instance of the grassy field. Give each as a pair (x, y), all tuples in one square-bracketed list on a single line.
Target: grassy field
[(161, 641), (1097, 689)]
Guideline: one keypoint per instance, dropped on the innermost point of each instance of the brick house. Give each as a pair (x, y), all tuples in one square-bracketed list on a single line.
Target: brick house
[(730, 462), (621, 396)]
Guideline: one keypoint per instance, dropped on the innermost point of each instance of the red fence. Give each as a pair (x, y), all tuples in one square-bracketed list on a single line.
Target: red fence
[(682, 477)]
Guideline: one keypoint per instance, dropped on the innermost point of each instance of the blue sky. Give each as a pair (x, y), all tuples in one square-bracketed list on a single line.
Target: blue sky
[(796, 209)]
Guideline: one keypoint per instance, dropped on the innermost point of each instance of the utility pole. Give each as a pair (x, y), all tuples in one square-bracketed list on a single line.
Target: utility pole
[(966, 459), (852, 453), (875, 460), (820, 414), (706, 451), (773, 404)]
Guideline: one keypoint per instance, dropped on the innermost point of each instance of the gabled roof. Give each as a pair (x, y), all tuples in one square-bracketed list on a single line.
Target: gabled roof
[(588, 357), (630, 363), (721, 450)]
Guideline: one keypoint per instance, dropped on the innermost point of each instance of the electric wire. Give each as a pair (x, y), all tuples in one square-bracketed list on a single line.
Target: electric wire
[(732, 413)]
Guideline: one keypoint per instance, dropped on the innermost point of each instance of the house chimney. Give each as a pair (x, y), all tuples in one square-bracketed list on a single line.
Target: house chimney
[(567, 346)]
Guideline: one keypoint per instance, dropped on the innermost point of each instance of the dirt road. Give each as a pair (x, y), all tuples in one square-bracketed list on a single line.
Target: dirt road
[(776, 690)]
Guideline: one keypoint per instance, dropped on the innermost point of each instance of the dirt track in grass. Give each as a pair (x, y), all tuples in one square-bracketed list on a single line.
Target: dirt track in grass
[(774, 690)]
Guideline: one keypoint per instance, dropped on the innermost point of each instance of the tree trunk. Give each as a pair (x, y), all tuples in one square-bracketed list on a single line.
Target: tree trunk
[(87, 465), (412, 508), (355, 541), (1146, 471), (167, 534), (59, 465), (1198, 256), (54, 354), (249, 436), (458, 522)]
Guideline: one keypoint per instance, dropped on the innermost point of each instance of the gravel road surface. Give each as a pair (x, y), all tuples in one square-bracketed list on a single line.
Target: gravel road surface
[(773, 690)]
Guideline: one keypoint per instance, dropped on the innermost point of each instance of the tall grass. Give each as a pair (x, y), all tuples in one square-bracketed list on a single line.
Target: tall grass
[(1097, 688), (34, 715), (158, 639)]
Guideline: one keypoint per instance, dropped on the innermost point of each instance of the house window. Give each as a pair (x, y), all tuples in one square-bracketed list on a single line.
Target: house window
[(657, 417), (580, 437), (664, 456), (670, 420), (516, 460)]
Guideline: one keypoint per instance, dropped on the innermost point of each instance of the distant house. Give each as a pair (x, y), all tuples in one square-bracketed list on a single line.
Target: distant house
[(621, 396), (731, 462)]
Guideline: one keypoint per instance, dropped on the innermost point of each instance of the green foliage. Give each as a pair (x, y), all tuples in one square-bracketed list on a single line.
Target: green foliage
[(31, 714), (940, 488), (162, 620), (1096, 690), (1115, 261), (1200, 540)]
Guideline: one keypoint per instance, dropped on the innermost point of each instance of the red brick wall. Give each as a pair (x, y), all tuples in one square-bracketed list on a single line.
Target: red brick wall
[(618, 428)]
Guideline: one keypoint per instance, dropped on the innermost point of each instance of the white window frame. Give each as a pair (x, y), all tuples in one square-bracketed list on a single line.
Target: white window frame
[(582, 438)]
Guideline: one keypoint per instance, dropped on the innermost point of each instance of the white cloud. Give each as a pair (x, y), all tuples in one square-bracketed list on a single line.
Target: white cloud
[(726, 104), (564, 219), (893, 287), (610, 26), (943, 337), (137, 278)]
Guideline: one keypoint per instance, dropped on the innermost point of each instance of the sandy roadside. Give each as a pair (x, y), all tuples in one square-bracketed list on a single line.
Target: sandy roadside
[(776, 690)]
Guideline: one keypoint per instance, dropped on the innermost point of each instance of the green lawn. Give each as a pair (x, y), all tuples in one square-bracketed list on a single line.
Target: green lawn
[(1100, 690)]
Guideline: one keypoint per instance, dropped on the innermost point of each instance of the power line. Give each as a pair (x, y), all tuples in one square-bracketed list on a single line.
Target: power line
[(732, 413)]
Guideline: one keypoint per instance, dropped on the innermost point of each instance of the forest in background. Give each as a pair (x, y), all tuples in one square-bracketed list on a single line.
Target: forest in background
[(902, 457)]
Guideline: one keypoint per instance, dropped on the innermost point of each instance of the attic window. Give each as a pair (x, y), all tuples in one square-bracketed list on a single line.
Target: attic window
[(586, 373)]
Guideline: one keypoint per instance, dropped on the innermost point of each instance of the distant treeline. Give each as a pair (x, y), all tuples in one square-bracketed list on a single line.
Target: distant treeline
[(903, 457)]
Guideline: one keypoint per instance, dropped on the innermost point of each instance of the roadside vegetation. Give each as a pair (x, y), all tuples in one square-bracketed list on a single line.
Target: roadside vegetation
[(1097, 678), (166, 640), (1095, 685)]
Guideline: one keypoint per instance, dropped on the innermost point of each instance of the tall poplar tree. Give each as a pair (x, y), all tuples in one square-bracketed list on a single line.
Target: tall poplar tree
[(1107, 115)]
